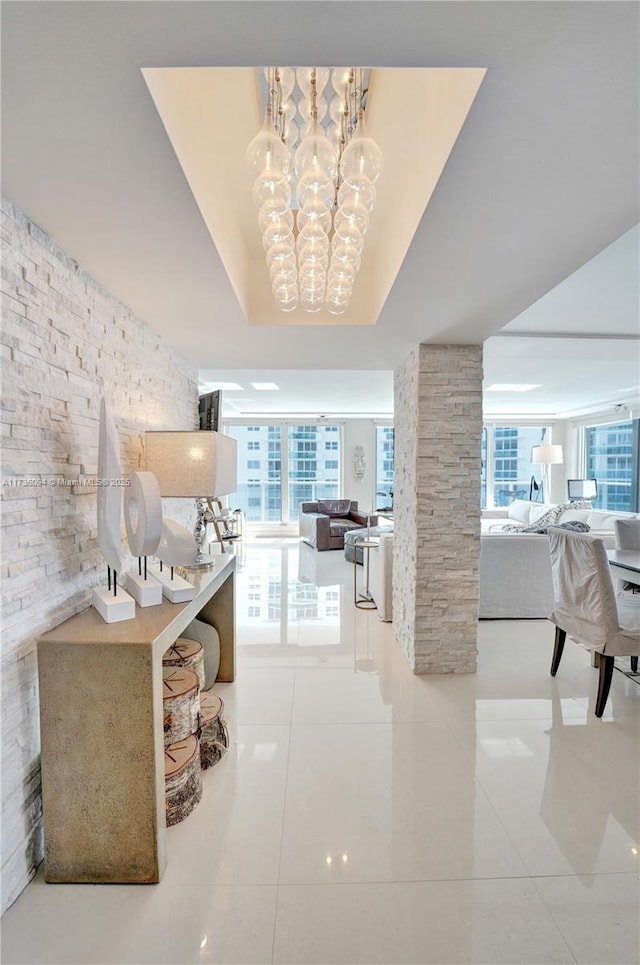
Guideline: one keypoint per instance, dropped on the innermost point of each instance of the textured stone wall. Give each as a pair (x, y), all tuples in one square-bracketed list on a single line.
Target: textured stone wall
[(65, 342), (438, 427)]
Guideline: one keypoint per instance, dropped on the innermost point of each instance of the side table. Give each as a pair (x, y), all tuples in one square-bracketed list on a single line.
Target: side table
[(364, 601)]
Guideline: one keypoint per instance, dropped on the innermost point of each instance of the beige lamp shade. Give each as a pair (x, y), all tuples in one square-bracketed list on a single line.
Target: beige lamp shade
[(546, 455), (197, 464)]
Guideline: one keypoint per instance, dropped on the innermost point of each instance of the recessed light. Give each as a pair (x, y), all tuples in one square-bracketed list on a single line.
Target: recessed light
[(225, 387), (265, 386), (510, 387)]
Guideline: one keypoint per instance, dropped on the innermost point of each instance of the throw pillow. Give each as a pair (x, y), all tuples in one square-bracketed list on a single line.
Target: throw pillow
[(519, 510)]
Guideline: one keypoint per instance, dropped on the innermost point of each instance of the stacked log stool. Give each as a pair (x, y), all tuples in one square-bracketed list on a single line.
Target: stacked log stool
[(195, 735)]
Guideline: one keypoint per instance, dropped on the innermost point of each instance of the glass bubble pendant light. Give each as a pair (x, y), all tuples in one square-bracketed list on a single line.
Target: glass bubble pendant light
[(361, 163), (266, 152)]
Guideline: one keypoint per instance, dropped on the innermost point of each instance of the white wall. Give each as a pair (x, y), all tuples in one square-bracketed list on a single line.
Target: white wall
[(65, 341)]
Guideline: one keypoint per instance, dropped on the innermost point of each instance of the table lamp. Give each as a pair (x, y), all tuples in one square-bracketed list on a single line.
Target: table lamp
[(199, 464), (546, 456)]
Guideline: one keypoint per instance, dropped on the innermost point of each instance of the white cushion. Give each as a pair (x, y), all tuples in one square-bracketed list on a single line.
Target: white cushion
[(519, 510), (574, 516), (602, 519)]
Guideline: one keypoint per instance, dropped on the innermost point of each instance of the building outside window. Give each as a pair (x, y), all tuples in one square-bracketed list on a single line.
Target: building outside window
[(258, 492), (311, 478), (507, 470), (611, 457), (384, 467), (295, 467)]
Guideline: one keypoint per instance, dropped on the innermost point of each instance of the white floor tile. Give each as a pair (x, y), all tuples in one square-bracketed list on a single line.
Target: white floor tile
[(233, 836), (262, 696), (433, 922), (387, 802), (87, 924), (568, 793), (598, 916), (378, 816)]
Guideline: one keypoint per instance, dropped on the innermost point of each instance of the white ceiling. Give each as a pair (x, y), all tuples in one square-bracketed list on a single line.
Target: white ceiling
[(542, 178), (573, 375)]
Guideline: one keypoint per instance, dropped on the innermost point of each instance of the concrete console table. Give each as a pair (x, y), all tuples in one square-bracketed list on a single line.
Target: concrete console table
[(102, 732)]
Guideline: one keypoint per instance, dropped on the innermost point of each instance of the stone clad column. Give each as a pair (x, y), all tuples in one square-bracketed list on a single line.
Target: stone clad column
[(438, 428)]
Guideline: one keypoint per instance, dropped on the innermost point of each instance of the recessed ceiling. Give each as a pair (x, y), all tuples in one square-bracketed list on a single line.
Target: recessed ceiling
[(211, 115)]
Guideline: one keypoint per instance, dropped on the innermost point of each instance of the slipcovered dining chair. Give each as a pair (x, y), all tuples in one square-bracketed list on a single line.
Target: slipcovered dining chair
[(627, 534), (586, 606)]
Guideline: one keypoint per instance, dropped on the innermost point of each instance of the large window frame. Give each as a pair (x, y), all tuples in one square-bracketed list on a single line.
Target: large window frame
[(318, 454), (608, 497), (385, 466), (498, 454)]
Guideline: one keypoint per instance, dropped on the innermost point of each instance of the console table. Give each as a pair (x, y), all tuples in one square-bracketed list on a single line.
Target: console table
[(102, 732)]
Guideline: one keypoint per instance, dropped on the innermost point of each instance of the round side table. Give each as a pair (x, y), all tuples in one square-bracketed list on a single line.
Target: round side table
[(364, 601)]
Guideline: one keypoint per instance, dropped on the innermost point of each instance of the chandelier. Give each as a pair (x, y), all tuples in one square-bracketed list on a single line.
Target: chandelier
[(313, 257)]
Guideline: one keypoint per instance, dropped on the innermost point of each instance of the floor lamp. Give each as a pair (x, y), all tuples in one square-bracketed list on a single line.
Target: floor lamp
[(197, 464), (546, 456)]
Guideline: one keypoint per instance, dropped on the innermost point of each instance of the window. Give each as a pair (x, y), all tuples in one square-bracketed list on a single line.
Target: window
[(254, 611), (258, 490), (311, 478), (611, 457), (384, 467), (507, 471), (293, 460)]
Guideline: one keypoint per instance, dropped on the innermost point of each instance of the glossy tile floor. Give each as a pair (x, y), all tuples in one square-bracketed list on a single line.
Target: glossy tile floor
[(366, 815)]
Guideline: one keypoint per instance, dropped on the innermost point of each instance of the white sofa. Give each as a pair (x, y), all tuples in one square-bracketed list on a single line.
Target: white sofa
[(515, 568), (380, 575)]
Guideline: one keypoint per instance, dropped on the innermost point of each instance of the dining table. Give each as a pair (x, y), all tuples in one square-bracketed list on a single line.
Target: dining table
[(625, 564)]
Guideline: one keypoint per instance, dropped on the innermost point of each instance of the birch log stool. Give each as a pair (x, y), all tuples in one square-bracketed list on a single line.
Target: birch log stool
[(214, 736), (186, 653), (180, 704), (182, 778)]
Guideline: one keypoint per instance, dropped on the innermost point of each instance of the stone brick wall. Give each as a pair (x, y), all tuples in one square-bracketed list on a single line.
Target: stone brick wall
[(438, 427), (65, 342)]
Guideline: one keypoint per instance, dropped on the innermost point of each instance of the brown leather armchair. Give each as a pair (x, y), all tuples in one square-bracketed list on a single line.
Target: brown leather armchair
[(324, 523)]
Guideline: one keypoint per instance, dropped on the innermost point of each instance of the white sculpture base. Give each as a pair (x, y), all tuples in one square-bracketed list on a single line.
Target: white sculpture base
[(112, 608), (145, 592), (176, 590)]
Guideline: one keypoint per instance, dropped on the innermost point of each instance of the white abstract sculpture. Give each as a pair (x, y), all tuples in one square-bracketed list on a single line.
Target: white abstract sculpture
[(109, 493), (142, 500), (177, 548), (143, 522), (118, 605), (177, 545)]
